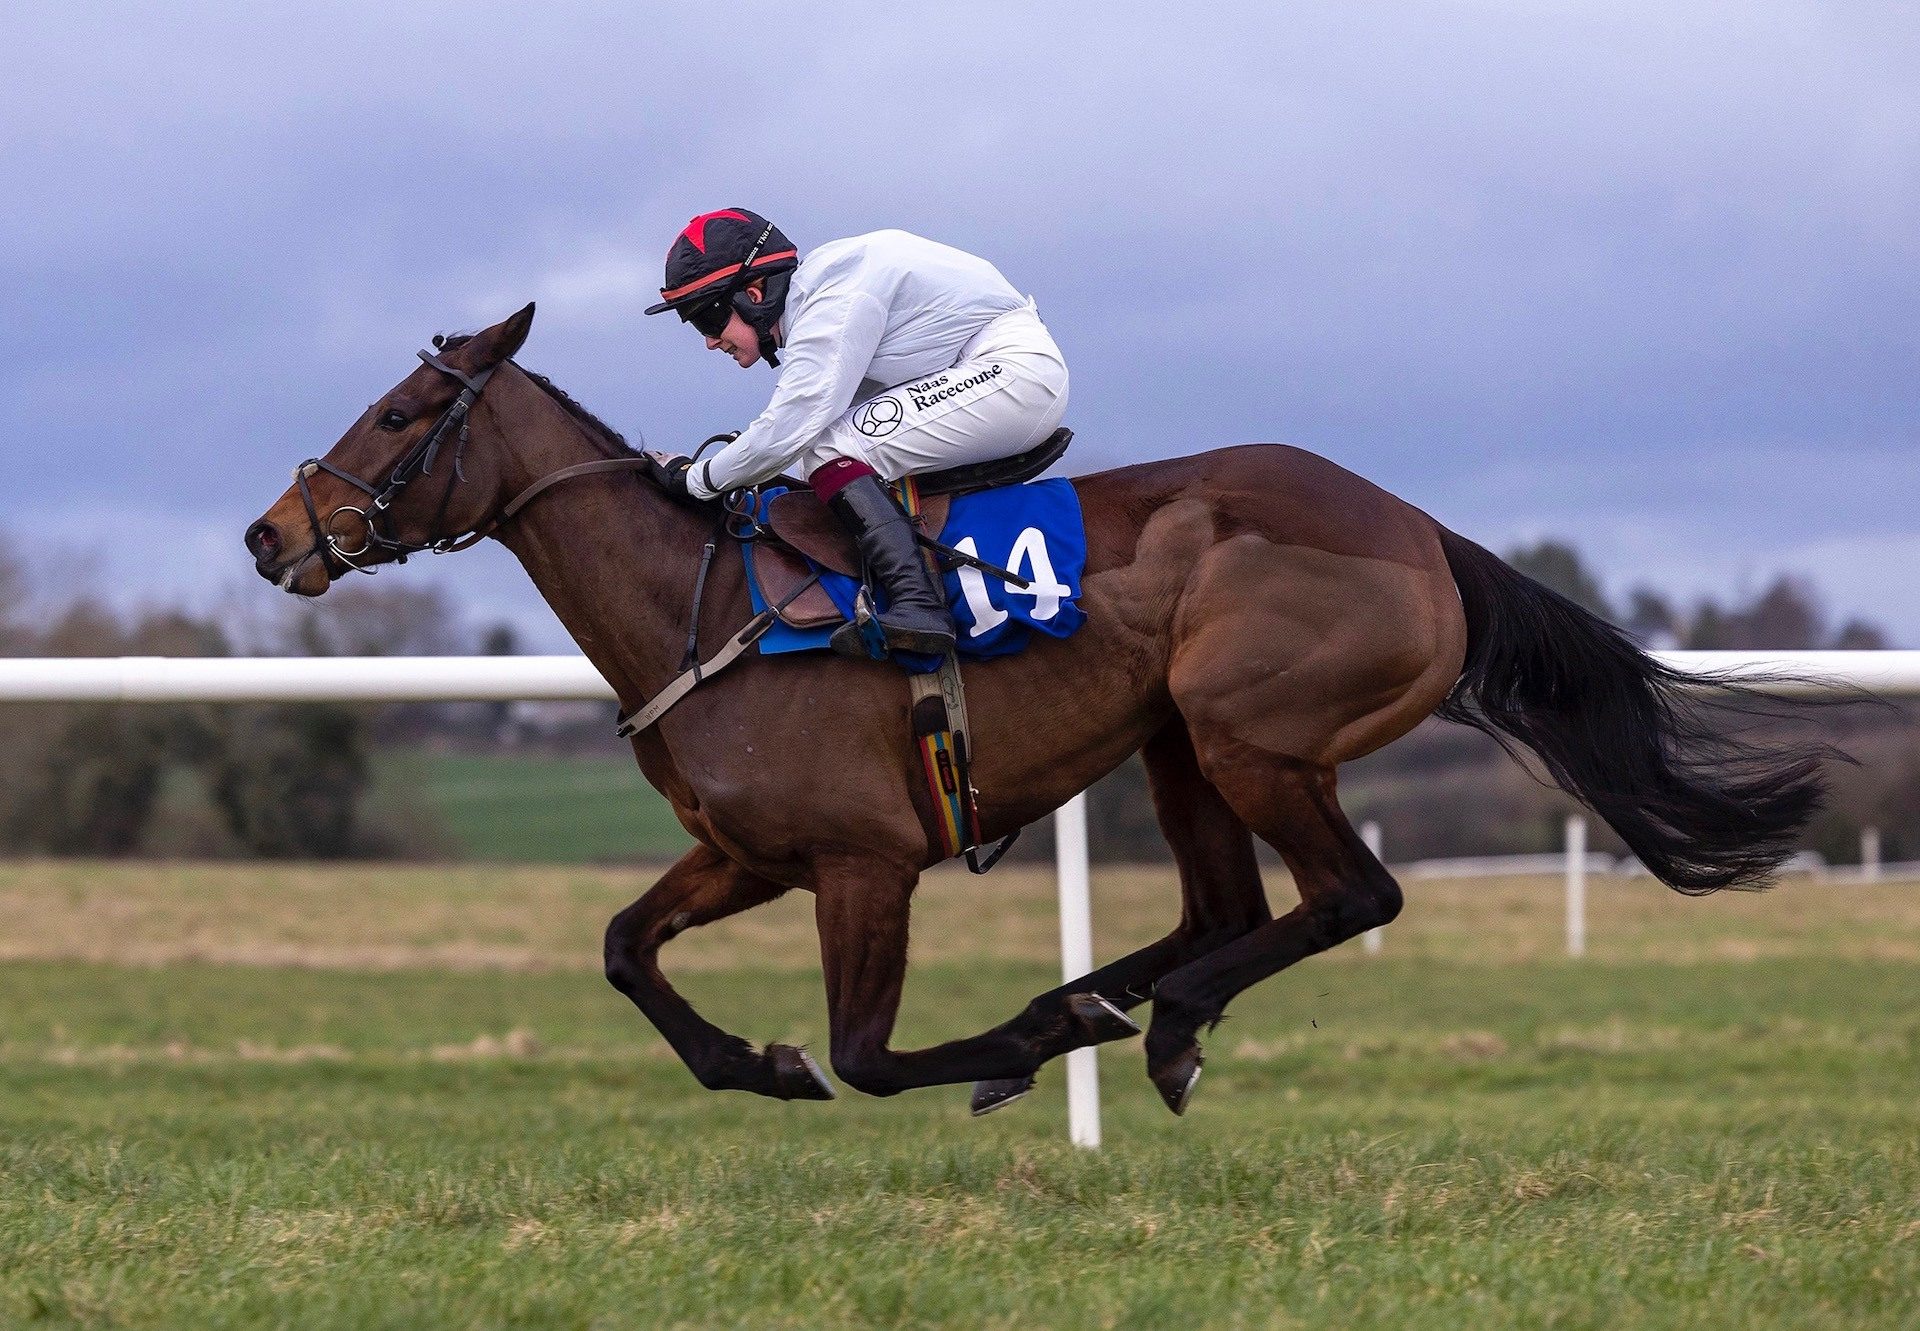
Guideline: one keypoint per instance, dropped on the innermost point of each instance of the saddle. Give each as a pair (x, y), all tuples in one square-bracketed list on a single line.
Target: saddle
[(806, 529)]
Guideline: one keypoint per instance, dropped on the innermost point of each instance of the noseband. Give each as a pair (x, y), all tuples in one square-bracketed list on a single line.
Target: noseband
[(376, 516)]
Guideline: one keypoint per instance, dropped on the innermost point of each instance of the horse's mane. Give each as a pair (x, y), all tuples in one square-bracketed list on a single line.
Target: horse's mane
[(596, 427)]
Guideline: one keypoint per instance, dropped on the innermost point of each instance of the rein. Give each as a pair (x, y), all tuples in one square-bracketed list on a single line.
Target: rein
[(418, 461)]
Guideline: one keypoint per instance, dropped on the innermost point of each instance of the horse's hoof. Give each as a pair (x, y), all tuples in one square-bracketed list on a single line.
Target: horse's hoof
[(1100, 1020), (796, 1076), (1176, 1080), (991, 1095)]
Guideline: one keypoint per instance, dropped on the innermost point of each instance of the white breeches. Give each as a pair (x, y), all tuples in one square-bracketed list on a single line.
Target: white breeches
[(1007, 393)]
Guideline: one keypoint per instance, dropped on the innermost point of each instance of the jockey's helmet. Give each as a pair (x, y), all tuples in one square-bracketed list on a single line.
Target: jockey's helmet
[(710, 264)]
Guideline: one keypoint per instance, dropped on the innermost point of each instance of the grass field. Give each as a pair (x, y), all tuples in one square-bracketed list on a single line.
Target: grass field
[(404, 1097), (527, 808)]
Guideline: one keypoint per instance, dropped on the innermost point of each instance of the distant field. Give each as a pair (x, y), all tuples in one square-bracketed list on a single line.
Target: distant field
[(541, 810), (519, 917), (397, 1096)]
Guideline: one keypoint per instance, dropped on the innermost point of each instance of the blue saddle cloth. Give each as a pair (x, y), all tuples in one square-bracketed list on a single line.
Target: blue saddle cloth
[(1033, 530)]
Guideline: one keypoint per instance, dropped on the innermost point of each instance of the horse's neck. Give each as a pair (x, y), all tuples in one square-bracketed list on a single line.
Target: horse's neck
[(613, 559)]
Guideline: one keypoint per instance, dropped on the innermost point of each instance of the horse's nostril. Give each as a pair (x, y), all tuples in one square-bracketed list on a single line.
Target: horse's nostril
[(263, 539)]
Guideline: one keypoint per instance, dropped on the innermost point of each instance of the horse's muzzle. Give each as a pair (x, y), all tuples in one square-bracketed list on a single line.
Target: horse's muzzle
[(300, 574)]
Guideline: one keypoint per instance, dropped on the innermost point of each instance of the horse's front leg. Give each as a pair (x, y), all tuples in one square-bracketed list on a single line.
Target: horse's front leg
[(861, 909), (703, 886)]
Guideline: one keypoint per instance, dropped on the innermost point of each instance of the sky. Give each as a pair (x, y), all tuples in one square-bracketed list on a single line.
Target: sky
[(1640, 276)]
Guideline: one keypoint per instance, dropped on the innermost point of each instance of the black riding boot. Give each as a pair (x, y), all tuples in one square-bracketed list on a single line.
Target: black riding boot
[(916, 618)]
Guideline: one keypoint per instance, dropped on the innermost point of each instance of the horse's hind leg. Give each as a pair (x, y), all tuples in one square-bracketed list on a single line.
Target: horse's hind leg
[(703, 886), (1220, 900), (1343, 889)]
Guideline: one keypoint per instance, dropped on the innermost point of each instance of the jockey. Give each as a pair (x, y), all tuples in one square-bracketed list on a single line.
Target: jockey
[(902, 355)]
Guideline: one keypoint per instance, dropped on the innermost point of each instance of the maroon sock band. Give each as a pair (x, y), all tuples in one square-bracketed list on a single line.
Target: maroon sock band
[(830, 479)]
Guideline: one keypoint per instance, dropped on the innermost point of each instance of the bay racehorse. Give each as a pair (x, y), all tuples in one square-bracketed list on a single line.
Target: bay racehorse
[(1256, 616)]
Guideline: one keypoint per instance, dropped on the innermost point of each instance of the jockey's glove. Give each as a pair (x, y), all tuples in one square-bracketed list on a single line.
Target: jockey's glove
[(670, 474)]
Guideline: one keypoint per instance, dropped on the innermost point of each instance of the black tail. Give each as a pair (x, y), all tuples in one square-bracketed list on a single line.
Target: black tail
[(1633, 739)]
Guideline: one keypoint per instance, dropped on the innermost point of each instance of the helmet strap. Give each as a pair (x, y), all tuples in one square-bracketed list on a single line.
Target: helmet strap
[(763, 315)]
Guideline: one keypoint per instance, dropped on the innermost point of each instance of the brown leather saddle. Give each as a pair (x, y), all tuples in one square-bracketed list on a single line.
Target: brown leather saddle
[(805, 529)]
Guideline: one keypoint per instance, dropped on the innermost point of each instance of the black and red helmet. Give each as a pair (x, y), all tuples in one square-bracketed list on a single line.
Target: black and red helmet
[(713, 259)]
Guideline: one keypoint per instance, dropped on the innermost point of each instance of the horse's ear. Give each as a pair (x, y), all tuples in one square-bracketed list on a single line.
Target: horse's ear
[(503, 340)]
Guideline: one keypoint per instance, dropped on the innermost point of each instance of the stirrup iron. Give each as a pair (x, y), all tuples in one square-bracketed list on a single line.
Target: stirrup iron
[(861, 637)]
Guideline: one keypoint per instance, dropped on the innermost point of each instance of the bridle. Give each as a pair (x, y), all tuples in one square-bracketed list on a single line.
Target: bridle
[(418, 461), (375, 516)]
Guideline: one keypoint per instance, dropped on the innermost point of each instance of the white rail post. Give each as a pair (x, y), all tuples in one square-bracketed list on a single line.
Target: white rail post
[(1372, 940), (1076, 959), (1869, 854), (1576, 885)]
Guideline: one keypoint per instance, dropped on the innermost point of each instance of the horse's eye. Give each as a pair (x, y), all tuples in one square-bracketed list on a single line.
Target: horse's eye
[(393, 420)]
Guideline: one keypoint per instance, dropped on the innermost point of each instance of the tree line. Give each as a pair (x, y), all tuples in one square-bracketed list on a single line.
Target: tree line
[(1784, 616), (258, 780)]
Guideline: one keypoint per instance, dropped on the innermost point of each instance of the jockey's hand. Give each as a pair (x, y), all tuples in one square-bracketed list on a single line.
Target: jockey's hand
[(670, 474)]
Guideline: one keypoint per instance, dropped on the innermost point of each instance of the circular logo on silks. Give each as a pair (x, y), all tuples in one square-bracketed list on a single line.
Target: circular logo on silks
[(878, 418)]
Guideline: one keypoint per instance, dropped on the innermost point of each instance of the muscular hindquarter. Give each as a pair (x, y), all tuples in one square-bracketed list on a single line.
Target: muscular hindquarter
[(1267, 595), (1309, 655)]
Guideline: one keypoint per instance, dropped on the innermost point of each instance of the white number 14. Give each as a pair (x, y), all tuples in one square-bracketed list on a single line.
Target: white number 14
[(1029, 559)]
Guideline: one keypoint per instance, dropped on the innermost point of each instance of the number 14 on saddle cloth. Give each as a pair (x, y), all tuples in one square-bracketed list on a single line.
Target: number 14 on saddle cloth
[(1033, 531)]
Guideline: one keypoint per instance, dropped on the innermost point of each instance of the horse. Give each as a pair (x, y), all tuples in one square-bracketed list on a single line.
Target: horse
[(1256, 616)]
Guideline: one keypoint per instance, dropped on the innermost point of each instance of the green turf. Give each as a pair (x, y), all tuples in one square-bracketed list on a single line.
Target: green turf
[(541, 810), (1400, 1144)]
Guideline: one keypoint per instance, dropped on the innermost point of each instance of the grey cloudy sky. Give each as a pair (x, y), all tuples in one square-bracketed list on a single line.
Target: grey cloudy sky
[(1642, 275)]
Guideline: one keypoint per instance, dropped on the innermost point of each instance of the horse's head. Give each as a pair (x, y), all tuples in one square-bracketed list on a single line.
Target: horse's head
[(400, 480)]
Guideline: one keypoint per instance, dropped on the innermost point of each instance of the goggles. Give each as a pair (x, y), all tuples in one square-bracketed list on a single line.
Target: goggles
[(710, 318)]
